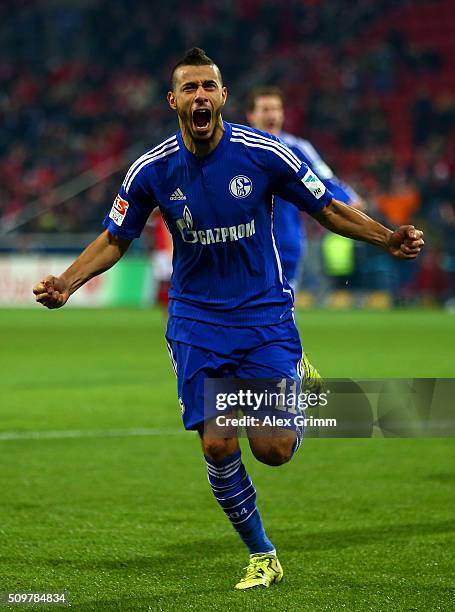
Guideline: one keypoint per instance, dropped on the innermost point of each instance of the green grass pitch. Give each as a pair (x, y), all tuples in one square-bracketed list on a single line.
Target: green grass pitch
[(129, 523)]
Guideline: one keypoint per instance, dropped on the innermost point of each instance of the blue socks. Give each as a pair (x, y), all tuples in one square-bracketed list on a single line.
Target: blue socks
[(234, 491)]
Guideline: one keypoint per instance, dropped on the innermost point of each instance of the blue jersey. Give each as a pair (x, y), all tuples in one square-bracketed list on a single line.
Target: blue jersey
[(289, 229), (219, 210)]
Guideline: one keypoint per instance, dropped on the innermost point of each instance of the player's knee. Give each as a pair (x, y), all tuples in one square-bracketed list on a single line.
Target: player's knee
[(274, 453), (219, 448)]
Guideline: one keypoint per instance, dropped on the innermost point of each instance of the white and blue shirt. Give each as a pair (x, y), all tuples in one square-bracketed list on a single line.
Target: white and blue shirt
[(219, 210), (289, 228)]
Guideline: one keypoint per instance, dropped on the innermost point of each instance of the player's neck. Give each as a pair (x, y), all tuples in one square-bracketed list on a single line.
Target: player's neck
[(202, 149)]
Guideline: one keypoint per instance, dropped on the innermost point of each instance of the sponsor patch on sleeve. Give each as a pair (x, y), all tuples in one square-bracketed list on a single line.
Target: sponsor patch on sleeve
[(313, 184), (118, 210)]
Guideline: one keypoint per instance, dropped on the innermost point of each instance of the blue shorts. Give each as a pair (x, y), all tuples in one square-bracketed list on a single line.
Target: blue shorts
[(204, 350)]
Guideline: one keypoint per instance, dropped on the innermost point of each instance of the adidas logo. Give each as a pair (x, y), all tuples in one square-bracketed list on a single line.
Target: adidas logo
[(178, 195)]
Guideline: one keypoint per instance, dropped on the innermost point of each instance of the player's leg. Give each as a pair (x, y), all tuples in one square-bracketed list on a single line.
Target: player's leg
[(235, 492), (233, 489), (231, 485), (277, 357), (275, 445), (277, 354)]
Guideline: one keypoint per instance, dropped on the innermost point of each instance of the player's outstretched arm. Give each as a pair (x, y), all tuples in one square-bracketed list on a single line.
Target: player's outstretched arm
[(99, 256), (406, 242)]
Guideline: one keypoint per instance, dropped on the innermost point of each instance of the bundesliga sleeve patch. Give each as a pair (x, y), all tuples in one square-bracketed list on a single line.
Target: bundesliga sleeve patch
[(118, 210), (313, 184)]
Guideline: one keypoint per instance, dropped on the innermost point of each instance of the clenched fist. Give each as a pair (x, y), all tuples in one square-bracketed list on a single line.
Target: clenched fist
[(52, 292), (406, 242)]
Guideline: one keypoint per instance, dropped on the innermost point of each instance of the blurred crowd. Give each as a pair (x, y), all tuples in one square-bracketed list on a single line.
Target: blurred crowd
[(370, 83)]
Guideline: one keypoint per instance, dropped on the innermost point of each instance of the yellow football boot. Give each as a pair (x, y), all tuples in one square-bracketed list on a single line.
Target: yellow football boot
[(263, 570), (312, 380)]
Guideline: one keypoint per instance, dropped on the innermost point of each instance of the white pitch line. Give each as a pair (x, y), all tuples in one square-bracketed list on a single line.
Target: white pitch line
[(71, 433)]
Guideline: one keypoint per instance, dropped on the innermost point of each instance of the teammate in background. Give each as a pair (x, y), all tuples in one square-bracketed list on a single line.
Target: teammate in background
[(231, 309), (265, 111)]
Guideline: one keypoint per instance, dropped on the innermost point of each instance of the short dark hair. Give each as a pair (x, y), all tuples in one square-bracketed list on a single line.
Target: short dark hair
[(194, 57), (259, 92)]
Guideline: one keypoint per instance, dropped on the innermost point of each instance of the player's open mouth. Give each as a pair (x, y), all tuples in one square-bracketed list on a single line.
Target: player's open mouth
[(202, 119)]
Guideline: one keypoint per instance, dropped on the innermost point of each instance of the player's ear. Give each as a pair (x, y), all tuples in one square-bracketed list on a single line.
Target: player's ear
[(171, 100), (224, 93)]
